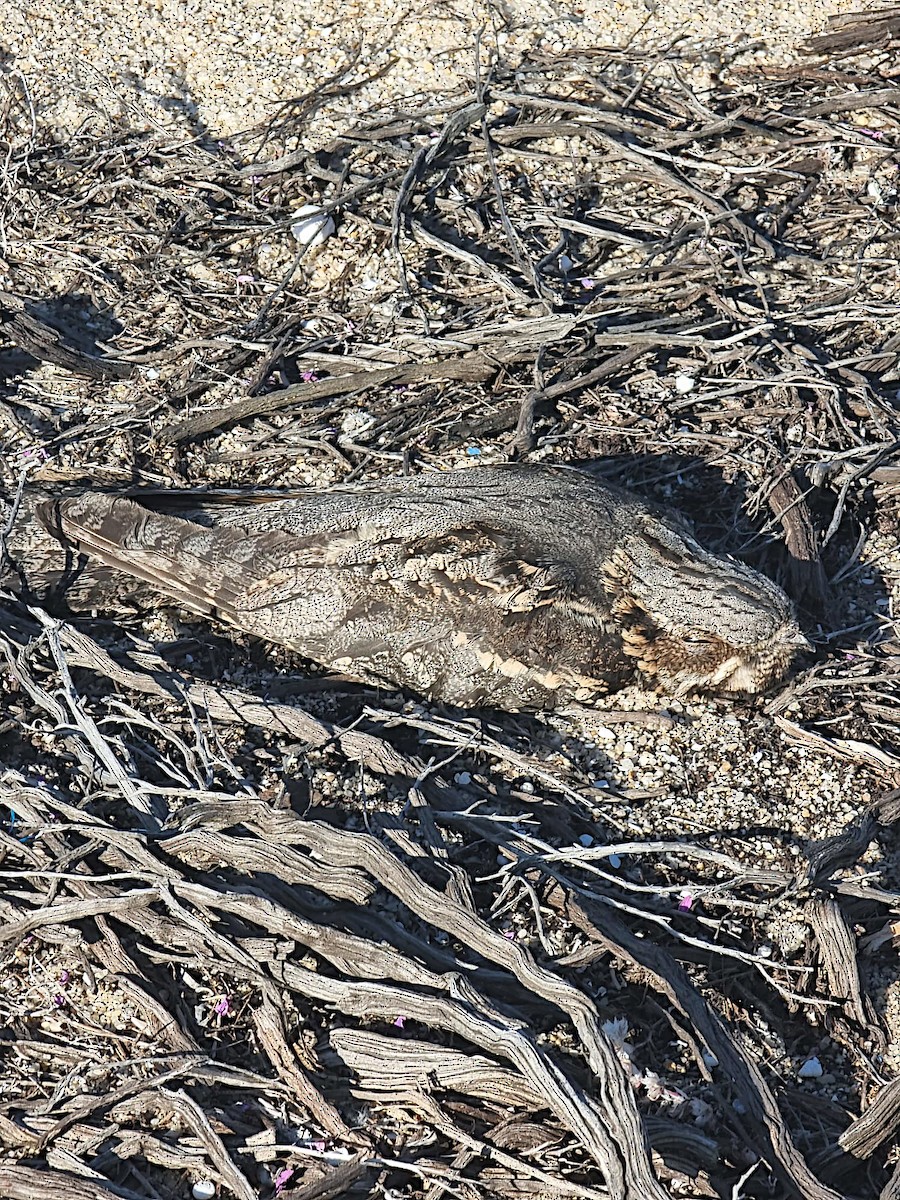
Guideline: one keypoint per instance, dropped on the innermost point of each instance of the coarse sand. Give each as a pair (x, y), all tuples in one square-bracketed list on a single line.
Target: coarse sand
[(219, 66), (748, 782)]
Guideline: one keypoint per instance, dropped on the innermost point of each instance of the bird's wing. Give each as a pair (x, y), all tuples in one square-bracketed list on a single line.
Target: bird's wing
[(479, 564), (207, 570), (233, 571)]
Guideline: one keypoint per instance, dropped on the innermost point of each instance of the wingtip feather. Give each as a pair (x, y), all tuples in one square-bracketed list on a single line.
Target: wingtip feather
[(140, 543)]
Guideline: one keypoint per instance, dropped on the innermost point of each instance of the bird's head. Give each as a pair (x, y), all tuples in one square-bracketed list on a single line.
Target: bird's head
[(694, 621)]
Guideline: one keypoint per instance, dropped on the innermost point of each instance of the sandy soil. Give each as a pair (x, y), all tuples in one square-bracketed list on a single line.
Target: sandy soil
[(219, 66), (725, 773)]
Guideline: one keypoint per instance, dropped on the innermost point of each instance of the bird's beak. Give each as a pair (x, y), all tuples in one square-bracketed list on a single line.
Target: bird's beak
[(798, 639)]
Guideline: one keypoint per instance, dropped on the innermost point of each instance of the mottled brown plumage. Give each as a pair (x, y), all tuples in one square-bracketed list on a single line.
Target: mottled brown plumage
[(515, 586)]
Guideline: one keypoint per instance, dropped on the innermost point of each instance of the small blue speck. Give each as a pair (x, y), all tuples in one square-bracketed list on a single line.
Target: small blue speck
[(473, 451)]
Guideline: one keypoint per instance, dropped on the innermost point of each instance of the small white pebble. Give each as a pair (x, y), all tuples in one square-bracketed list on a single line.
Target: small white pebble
[(340, 1154), (311, 226), (684, 383), (527, 786), (811, 1069), (354, 422), (709, 1059), (204, 1190)]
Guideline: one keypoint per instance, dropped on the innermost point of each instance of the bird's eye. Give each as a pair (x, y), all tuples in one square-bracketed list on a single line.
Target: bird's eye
[(695, 639)]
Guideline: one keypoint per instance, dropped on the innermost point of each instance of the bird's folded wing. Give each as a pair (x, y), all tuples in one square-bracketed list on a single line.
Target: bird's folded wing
[(483, 564), (232, 572), (207, 570)]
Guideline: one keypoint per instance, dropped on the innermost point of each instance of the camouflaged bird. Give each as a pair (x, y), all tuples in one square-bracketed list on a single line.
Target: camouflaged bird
[(512, 586)]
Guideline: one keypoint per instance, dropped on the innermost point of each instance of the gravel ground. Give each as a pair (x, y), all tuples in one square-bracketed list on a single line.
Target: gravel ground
[(219, 66), (723, 773), (225, 65)]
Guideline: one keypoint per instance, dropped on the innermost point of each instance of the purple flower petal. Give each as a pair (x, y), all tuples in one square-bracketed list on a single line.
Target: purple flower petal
[(283, 1177)]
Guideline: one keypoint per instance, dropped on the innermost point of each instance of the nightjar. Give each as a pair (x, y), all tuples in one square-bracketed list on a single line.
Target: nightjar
[(513, 586)]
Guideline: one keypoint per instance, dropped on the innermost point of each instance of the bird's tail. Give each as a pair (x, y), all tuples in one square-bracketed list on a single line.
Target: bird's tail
[(37, 567), (204, 569)]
